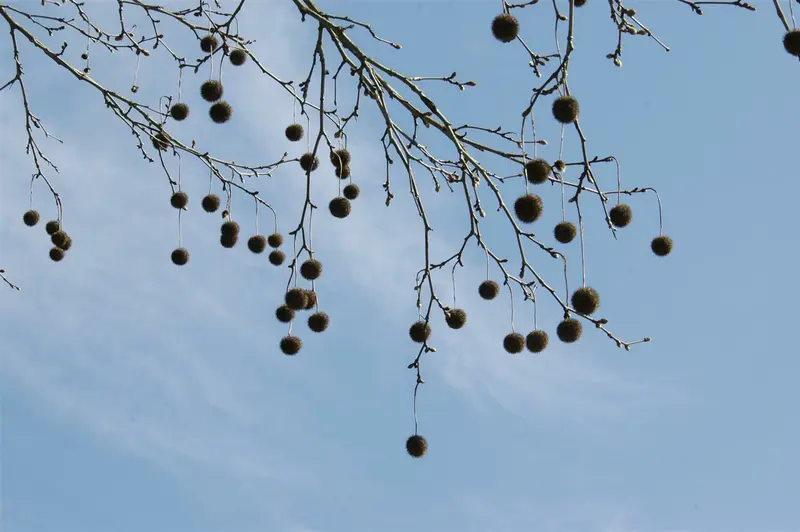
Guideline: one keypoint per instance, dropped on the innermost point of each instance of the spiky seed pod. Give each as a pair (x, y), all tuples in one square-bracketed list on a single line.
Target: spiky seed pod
[(419, 331), (580, 3), (284, 314), (566, 109), (211, 203), (294, 132), (295, 299), (342, 173), (276, 257), (339, 207), (528, 208), (58, 239), (311, 299), (318, 322), (565, 232), (569, 331), (67, 243), (179, 111), (514, 343), (56, 254), (537, 171), (211, 90), (620, 215), (309, 162), (585, 300), (416, 446), (505, 27), (30, 218), (229, 228), (275, 240), (209, 43), (238, 57), (536, 341), (351, 191), (52, 226), (340, 158), (791, 42), (180, 256), (290, 345), (661, 245), (179, 200), (220, 112), (257, 244), (311, 269), (560, 165), (161, 141), (228, 241), (456, 318), (488, 290)]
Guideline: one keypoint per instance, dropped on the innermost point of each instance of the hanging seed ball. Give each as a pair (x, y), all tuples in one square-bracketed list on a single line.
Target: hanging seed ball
[(528, 208), (339, 207), (228, 241), (620, 215), (52, 226), (294, 132), (275, 240), (560, 166), (456, 318), (67, 243), (514, 343), (56, 254), (569, 331), (229, 228), (30, 218), (311, 299), (58, 239), (309, 162), (180, 256), (295, 299), (311, 269), (160, 141), (505, 27), (488, 290), (565, 109), (276, 257), (536, 341), (257, 244), (416, 446), (318, 322), (238, 57), (661, 245), (565, 232), (585, 300), (340, 158), (419, 331), (179, 200), (537, 171), (580, 3), (343, 173), (791, 42), (351, 191), (211, 203), (211, 90), (284, 314), (220, 112), (179, 111), (209, 43), (290, 345)]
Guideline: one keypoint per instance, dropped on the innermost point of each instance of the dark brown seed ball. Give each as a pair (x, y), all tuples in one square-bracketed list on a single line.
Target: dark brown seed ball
[(275, 240), (456, 318), (311, 299), (416, 446), (580, 3), (294, 132), (211, 90), (179, 200), (419, 331), (276, 257), (340, 158), (284, 314), (229, 240), (30, 218), (585, 300), (209, 43), (311, 269), (180, 256), (537, 171), (211, 203), (536, 341), (238, 57), (569, 331), (351, 191), (56, 254), (560, 166), (505, 27), (179, 111), (343, 173), (257, 244), (67, 244), (318, 322), (791, 42), (488, 290), (661, 245), (528, 208), (295, 299), (339, 207), (309, 162), (290, 345), (620, 215), (220, 112), (52, 226), (566, 109), (59, 239), (161, 141), (229, 228), (565, 232), (514, 343)]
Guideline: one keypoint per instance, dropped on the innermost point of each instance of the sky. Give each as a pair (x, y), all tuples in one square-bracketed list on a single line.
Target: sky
[(137, 395)]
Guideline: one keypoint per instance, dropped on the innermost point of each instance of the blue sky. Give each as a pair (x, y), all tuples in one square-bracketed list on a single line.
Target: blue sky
[(141, 396)]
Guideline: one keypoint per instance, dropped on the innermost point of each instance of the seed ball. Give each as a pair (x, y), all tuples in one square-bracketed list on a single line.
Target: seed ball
[(209, 43), (342, 173), (211, 90), (220, 112), (257, 244), (488, 290), (295, 299), (211, 203), (56, 254), (228, 241), (791, 42), (565, 232), (569, 331), (456, 318), (275, 240), (67, 243), (229, 228), (318, 322), (311, 269), (59, 239), (416, 446), (179, 200), (514, 343), (339, 207), (560, 166), (309, 162), (290, 345), (620, 215), (52, 226), (528, 208), (351, 191), (661, 245), (311, 299), (30, 218), (284, 314), (294, 132), (179, 111), (161, 141), (419, 331), (537, 170), (276, 257), (238, 57), (340, 158), (536, 341), (580, 3), (180, 256), (565, 109), (585, 300), (505, 27)]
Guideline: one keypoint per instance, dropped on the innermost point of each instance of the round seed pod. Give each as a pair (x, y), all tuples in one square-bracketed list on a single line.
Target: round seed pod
[(661, 245), (311, 269), (276, 257), (290, 345), (56, 254), (565, 232), (294, 132), (180, 256), (30, 218), (179, 111), (296, 299), (209, 43), (161, 141), (416, 446), (220, 112), (275, 240), (339, 207), (59, 239), (351, 191), (311, 299), (179, 200), (456, 318), (67, 243), (340, 158), (284, 314), (620, 215), (257, 244), (229, 228), (309, 162), (419, 331), (528, 208), (566, 109), (580, 3), (211, 90), (569, 331), (791, 42), (210, 203), (318, 322), (505, 27), (237, 57), (342, 173), (536, 341), (488, 290), (514, 343), (52, 226), (229, 240), (560, 166), (585, 300), (537, 171)]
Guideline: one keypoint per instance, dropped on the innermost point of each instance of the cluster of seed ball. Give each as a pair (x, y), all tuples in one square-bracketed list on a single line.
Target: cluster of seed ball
[(60, 239), (297, 299)]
